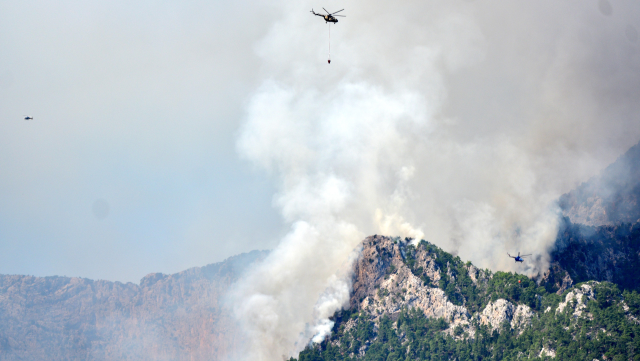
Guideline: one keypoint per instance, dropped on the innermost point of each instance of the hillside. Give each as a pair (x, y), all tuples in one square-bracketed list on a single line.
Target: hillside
[(166, 317), (610, 198), (607, 253), (416, 302), (420, 303)]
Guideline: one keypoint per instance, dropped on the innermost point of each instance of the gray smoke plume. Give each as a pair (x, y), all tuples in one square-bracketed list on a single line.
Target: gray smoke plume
[(457, 122)]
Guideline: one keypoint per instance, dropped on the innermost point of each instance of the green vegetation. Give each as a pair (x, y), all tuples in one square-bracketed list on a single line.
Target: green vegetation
[(457, 284), (615, 249), (605, 330)]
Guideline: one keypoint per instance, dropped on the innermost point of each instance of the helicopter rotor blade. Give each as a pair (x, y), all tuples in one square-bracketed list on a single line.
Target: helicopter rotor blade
[(344, 16), (326, 11), (525, 255), (337, 12)]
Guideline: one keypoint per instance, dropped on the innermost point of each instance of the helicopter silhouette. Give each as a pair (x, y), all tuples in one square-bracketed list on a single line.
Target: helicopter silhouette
[(28, 118), (518, 258), (330, 17)]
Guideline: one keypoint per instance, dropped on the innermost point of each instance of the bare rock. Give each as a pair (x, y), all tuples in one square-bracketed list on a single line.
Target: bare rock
[(547, 352), (522, 317), (497, 313), (383, 284), (577, 299), (500, 311)]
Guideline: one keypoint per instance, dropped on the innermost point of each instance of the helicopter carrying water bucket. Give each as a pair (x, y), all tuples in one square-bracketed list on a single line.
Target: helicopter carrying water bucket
[(329, 18)]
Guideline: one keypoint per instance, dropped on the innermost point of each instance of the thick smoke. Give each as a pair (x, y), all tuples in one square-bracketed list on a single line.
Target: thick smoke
[(457, 122)]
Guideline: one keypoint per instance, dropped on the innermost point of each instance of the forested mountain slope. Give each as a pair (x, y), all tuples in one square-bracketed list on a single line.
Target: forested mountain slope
[(416, 302), (420, 303), (606, 253)]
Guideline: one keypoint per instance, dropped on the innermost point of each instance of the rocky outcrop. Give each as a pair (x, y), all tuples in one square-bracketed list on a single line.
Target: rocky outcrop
[(521, 317), (409, 292), (393, 274), (166, 317), (501, 311), (496, 313), (383, 284), (577, 299), (547, 352)]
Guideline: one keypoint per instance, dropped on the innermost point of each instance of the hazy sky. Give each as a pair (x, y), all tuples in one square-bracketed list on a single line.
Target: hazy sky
[(129, 166), (140, 158)]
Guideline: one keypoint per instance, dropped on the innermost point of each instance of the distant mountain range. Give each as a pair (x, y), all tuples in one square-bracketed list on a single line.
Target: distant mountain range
[(166, 317), (409, 301)]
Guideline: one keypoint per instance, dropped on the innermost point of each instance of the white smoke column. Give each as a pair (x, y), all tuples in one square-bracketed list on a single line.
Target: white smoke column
[(328, 165), (408, 133)]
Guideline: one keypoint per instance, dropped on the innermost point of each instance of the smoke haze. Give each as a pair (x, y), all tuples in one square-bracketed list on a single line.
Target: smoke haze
[(460, 122), (129, 165), (457, 122)]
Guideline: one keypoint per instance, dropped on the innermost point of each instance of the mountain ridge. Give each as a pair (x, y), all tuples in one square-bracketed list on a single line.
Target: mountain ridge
[(413, 301), (611, 197), (605, 253), (410, 300), (166, 317)]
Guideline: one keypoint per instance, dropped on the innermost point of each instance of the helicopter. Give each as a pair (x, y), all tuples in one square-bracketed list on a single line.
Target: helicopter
[(28, 118), (518, 258), (330, 17)]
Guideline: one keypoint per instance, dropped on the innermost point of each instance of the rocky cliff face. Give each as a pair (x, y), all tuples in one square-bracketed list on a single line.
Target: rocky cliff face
[(384, 284), (500, 311), (413, 301), (165, 317), (393, 275), (577, 300)]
